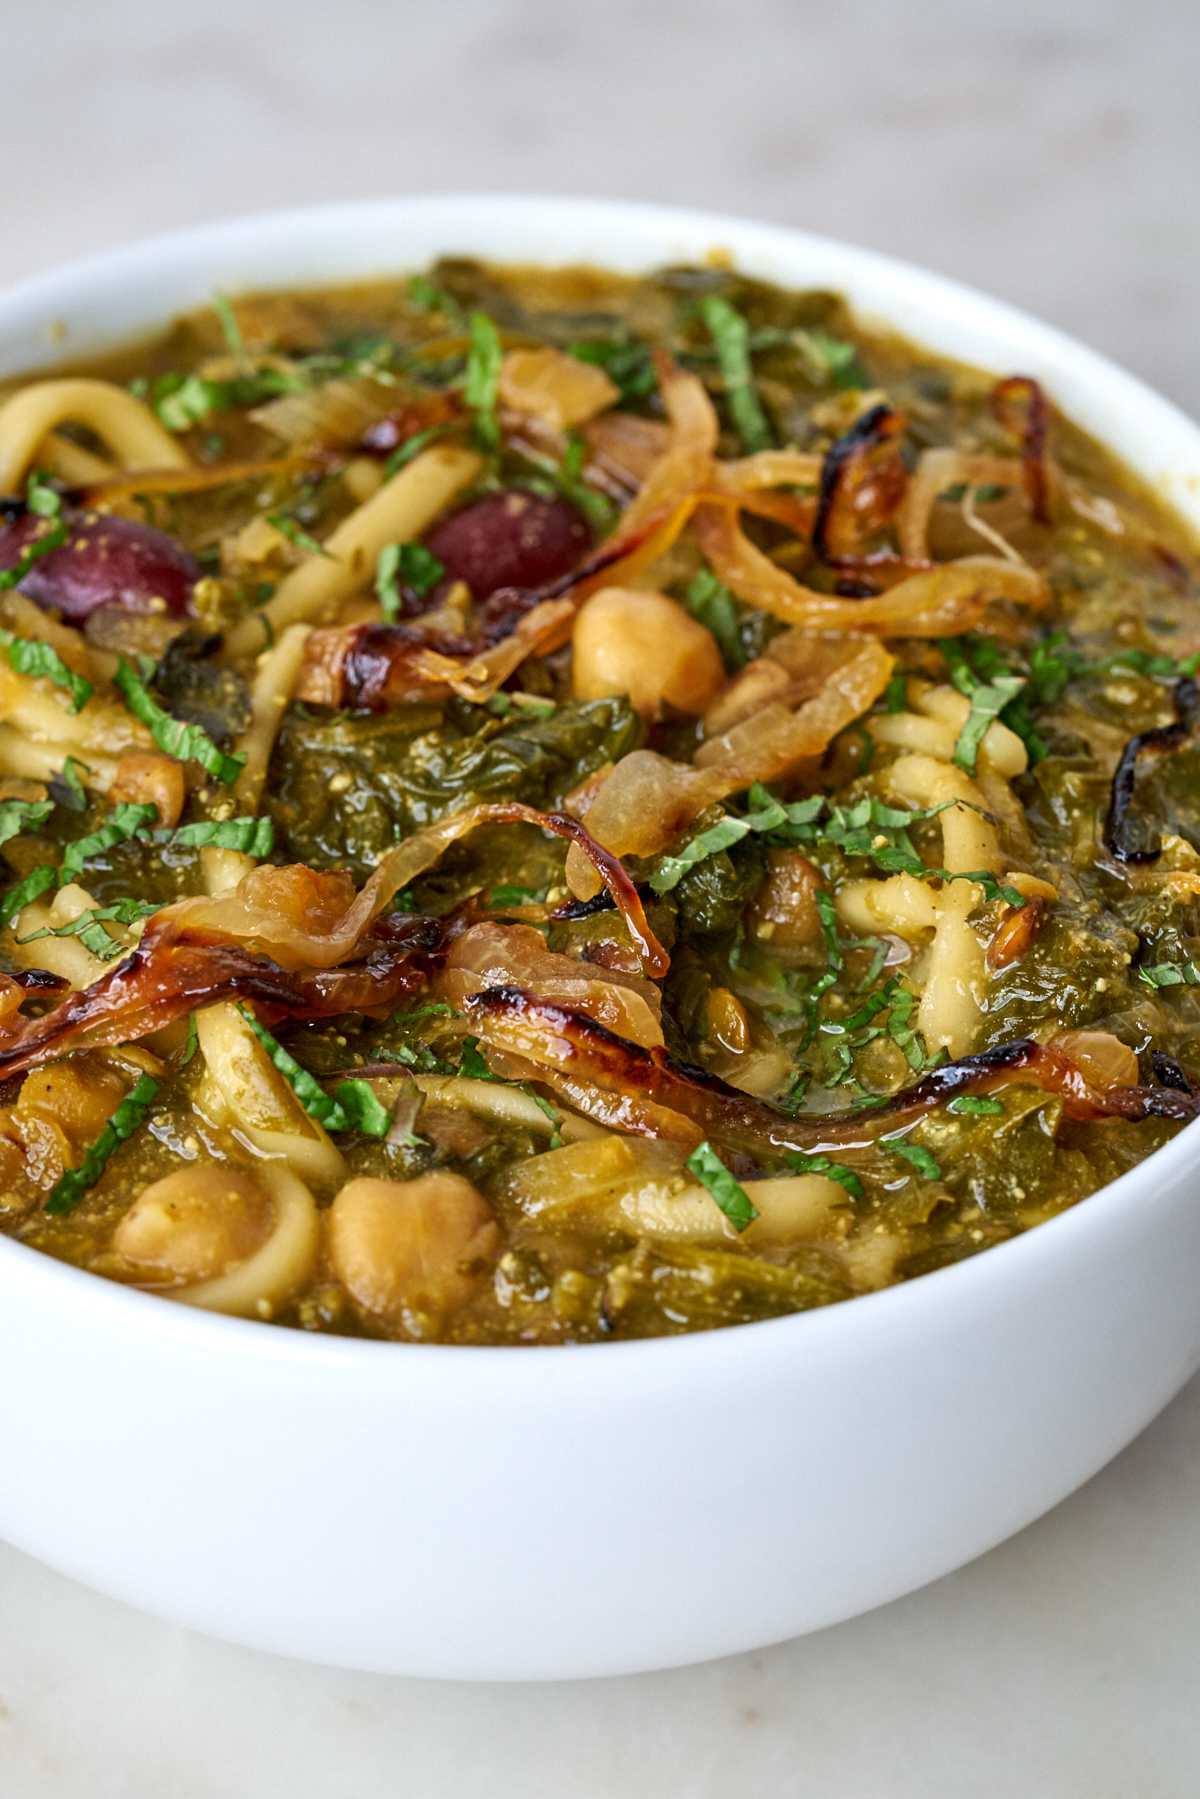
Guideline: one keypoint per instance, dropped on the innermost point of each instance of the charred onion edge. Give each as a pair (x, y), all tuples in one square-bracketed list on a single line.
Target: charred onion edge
[(1032, 433), (1186, 697), (38, 980), (613, 1063), (870, 432), (1168, 1073), (370, 654), (173, 973), (610, 868)]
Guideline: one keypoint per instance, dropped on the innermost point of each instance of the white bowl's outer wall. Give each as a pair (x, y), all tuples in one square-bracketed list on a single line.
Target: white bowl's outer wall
[(495, 1513)]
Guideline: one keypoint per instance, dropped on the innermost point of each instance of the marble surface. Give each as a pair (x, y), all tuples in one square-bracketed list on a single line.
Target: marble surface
[(1046, 152)]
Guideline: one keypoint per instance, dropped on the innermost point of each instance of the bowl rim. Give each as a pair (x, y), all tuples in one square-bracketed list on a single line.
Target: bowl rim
[(94, 1300)]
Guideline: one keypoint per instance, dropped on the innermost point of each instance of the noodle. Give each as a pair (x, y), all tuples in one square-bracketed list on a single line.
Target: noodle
[(126, 425), (402, 509)]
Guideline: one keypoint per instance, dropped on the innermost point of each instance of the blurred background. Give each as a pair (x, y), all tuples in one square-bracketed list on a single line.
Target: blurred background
[(1046, 152)]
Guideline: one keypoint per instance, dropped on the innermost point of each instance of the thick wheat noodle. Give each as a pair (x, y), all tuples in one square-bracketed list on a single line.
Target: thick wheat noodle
[(257, 1101), (23, 759), (402, 509), (72, 463), (127, 426), (274, 682), (955, 973), (933, 730)]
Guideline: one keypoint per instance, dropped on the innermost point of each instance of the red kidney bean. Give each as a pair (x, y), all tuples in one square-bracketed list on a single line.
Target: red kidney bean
[(105, 561), (511, 539)]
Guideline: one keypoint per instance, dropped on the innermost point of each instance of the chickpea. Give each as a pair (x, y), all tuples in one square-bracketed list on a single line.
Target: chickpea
[(646, 646), (728, 1021), (194, 1224), (785, 907), (409, 1252), (147, 778)]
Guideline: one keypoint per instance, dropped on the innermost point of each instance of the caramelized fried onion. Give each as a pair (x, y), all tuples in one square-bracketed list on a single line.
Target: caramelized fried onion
[(493, 955), (304, 919), (1121, 833), (174, 971), (936, 602), (648, 799), (373, 666), (1032, 429), (863, 479), (614, 1081)]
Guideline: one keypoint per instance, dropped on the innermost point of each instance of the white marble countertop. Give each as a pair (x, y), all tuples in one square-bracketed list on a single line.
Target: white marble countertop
[(1046, 152)]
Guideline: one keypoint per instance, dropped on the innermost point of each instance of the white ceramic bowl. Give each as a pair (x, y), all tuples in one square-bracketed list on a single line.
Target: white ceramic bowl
[(498, 1513)]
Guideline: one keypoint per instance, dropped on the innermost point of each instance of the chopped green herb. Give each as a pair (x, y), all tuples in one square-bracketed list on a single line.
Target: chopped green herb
[(904, 1033), (41, 497), (722, 836), (253, 836), (25, 892), (408, 563), (182, 401), (32, 656), (89, 926), (827, 913), (308, 1090), (124, 822), (710, 601), (188, 743), (230, 329), (472, 1064), (975, 1105), (362, 1109), (551, 1112), (731, 334), (192, 1043), (626, 362), (1170, 974), (482, 379), (129, 1116), (566, 477), (72, 793), (915, 1155), (17, 816), (287, 527), (895, 694), (505, 704), (831, 358), (880, 950), (1146, 662), (834, 1171), (729, 1194), (988, 701)]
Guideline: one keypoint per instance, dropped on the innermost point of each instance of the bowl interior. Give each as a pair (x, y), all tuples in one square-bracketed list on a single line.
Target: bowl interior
[(106, 300)]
